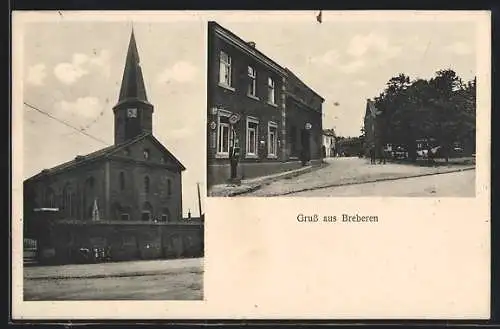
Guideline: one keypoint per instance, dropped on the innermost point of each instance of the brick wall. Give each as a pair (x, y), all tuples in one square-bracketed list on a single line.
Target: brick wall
[(126, 241), (235, 100), (78, 182), (106, 188)]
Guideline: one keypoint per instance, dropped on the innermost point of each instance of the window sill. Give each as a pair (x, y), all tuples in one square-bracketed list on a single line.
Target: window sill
[(222, 156), (226, 86), (272, 157), (272, 104), (251, 156), (253, 97)]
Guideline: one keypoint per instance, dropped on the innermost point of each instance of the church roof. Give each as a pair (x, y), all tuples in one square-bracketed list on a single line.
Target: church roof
[(132, 82), (104, 153)]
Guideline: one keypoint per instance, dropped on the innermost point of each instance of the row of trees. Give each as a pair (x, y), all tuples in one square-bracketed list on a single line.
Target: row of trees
[(442, 108)]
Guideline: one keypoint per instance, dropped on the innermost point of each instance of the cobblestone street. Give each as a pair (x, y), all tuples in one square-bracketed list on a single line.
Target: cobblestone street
[(455, 184), (347, 171)]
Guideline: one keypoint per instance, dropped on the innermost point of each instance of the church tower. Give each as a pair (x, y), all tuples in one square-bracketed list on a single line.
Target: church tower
[(133, 113)]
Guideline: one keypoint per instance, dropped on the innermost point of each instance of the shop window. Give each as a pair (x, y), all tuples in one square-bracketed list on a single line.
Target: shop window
[(223, 134)]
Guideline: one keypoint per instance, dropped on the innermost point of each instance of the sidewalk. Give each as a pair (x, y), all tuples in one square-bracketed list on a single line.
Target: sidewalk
[(349, 171), (250, 185)]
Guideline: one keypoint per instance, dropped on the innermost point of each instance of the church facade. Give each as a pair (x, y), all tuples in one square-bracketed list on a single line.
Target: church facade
[(136, 179)]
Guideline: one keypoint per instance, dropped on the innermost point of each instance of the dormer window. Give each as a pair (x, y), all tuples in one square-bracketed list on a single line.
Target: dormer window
[(132, 113), (146, 154)]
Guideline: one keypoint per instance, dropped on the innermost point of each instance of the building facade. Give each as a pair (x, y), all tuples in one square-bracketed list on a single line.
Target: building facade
[(370, 128), (126, 197), (136, 179), (329, 142), (253, 103)]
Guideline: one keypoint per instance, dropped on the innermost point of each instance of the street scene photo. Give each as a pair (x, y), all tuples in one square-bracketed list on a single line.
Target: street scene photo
[(112, 201), (332, 107)]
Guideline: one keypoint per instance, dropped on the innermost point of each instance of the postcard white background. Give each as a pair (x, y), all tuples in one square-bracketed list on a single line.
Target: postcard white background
[(425, 258)]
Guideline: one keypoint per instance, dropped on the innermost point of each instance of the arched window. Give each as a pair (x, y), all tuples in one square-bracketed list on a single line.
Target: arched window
[(146, 184), (122, 181), (50, 200), (88, 197), (68, 200), (147, 212), (165, 216), (146, 154)]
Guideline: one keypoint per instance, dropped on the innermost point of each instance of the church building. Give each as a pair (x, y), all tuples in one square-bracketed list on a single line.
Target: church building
[(136, 179)]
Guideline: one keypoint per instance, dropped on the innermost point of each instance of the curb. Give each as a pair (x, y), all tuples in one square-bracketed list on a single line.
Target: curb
[(370, 181), (270, 180)]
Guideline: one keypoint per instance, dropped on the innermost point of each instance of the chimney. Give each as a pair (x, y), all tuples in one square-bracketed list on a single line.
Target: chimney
[(251, 44)]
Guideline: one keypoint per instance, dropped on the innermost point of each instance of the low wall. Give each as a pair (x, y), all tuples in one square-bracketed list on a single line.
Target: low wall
[(125, 241), (220, 173)]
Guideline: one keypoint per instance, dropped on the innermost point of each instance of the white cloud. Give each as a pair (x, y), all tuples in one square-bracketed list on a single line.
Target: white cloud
[(36, 74), (80, 65), (68, 73), (87, 107), (460, 48), (179, 72), (352, 66), (361, 45), (331, 57)]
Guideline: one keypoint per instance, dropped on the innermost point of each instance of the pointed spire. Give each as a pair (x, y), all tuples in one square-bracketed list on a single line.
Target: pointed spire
[(132, 83)]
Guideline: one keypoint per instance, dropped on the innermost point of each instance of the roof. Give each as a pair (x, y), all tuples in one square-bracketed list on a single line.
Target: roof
[(302, 82), (104, 153), (132, 82), (243, 45)]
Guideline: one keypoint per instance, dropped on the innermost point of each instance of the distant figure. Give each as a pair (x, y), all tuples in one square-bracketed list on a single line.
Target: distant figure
[(381, 159), (323, 151), (372, 155)]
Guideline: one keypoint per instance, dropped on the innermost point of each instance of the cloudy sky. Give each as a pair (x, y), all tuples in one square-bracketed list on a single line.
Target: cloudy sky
[(348, 62), (72, 69)]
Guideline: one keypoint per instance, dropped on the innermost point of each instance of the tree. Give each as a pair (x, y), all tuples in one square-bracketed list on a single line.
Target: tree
[(442, 108)]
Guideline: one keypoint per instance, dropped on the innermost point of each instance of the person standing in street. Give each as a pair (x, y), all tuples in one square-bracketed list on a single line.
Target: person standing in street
[(372, 155)]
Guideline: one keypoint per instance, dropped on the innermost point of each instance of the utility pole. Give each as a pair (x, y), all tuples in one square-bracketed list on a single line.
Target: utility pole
[(199, 199)]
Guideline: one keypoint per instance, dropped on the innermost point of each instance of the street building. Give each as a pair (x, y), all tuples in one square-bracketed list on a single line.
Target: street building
[(261, 117), (372, 136), (329, 142), (136, 182)]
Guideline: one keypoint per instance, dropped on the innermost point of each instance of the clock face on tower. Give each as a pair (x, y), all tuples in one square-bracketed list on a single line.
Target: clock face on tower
[(132, 113)]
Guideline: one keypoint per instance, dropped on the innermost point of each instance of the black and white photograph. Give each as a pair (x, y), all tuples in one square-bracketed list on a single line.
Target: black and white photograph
[(336, 107), (112, 208), (250, 165)]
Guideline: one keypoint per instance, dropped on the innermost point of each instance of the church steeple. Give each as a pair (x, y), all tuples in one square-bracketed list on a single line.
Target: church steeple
[(132, 82), (133, 112)]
